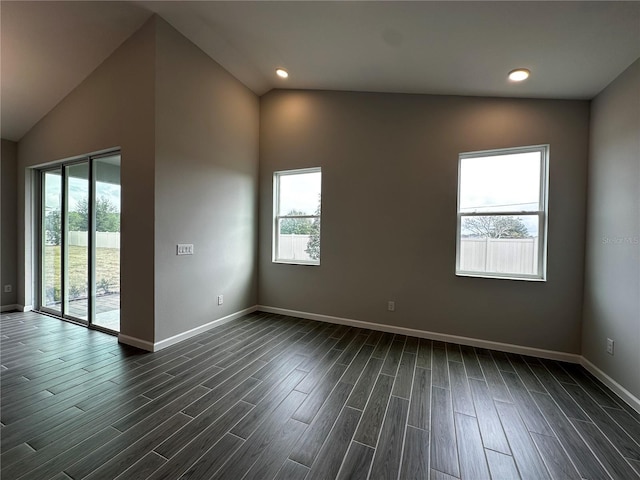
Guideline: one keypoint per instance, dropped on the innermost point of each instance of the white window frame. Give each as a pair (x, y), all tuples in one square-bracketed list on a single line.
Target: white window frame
[(276, 218), (542, 213)]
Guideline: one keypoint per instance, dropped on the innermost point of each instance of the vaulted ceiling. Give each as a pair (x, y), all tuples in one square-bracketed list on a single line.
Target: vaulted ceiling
[(574, 49)]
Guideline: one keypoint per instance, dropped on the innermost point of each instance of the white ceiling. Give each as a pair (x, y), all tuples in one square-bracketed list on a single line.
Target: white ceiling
[(574, 49)]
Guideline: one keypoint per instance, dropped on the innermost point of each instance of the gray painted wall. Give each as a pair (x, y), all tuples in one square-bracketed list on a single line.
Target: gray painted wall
[(206, 183), (9, 269), (612, 276), (389, 185), (188, 132), (113, 107)]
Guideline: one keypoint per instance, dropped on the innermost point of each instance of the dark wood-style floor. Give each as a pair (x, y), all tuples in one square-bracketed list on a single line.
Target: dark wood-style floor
[(268, 396)]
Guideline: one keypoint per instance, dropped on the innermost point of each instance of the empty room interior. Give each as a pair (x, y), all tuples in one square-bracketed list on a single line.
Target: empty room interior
[(320, 240)]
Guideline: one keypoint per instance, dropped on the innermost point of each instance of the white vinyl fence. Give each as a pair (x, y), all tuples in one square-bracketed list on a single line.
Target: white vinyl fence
[(292, 247), (500, 255), (103, 239)]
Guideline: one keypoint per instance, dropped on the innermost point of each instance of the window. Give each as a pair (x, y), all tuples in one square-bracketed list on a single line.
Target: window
[(296, 206), (502, 213)]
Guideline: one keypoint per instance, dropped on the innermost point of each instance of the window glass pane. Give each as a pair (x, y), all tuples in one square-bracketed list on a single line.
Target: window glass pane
[(51, 245), (77, 247), (299, 240), (500, 183), (299, 194), (499, 244), (107, 242)]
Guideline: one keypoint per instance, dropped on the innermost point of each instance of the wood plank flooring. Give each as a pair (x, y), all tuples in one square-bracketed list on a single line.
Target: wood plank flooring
[(268, 396)]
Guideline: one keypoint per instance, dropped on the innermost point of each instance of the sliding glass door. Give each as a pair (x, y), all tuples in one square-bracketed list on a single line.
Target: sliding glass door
[(51, 253), (76, 252), (106, 238), (80, 254)]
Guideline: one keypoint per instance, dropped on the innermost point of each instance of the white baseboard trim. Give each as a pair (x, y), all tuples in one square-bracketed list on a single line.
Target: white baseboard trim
[(25, 308), (622, 392), (135, 342), (474, 342), (10, 308), (167, 342), (202, 328)]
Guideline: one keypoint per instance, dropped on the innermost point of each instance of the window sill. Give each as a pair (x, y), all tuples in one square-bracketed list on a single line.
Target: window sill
[(500, 277), (297, 262)]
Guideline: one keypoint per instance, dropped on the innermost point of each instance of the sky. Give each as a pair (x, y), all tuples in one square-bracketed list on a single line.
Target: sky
[(78, 189), (502, 183), (300, 192)]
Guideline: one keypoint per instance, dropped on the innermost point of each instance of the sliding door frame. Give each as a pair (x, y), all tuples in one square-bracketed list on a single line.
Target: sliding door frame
[(91, 240), (42, 241)]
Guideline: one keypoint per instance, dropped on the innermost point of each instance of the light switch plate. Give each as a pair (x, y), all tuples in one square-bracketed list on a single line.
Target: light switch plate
[(184, 249)]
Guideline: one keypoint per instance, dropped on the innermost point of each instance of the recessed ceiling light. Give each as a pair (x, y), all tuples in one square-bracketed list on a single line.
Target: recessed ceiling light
[(519, 74), (282, 73)]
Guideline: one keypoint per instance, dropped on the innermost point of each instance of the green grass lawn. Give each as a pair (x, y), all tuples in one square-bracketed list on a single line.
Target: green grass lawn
[(107, 271)]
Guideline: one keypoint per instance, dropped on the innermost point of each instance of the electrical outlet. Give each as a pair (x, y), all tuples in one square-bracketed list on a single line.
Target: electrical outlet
[(184, 249), (610, 346), (8, 289), (391, 306), (220, 299)]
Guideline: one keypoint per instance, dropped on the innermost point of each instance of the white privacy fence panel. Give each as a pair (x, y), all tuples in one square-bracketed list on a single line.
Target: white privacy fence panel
[(502, 255), (292, 247), (103, 239), (499, 255)]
